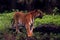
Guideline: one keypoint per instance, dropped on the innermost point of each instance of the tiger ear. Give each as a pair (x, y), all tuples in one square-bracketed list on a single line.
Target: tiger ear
[(34, 10), (38, 10)]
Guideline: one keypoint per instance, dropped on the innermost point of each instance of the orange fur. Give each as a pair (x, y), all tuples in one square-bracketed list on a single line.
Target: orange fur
[(27, 20)]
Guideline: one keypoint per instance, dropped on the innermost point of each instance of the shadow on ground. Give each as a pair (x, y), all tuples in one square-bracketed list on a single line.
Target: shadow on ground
[(42, 32)]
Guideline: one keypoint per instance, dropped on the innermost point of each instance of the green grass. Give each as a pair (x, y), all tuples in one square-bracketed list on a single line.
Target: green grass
[(5, 20), (48, 19)]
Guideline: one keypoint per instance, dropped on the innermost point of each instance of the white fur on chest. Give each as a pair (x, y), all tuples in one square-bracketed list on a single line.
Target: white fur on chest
[(31, 21)]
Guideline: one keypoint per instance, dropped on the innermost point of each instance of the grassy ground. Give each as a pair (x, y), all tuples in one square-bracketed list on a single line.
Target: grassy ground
[(47, 19), (5, 21)]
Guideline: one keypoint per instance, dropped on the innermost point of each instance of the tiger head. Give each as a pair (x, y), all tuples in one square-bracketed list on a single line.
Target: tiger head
[(37, 13)]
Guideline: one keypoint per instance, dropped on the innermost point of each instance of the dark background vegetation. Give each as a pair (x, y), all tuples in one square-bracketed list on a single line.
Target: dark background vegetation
[(44, 5), (47, 28)]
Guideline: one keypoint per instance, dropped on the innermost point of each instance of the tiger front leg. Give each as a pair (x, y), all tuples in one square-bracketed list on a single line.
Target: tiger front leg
[(29, 32), (17, 28), (31, 28)]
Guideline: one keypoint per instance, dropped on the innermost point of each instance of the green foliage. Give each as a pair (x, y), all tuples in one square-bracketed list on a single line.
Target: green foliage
[(55, 11), (5, 20), (47, 19)]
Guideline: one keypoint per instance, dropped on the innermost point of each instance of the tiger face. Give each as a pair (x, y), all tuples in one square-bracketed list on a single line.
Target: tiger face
[(40, 14), (37, 14), (27, 20)]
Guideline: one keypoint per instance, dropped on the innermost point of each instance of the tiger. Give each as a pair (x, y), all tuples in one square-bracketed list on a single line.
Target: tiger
[(26, 20)]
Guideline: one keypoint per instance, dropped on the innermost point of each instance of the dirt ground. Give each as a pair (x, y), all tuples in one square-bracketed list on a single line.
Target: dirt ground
[(38, 35)]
